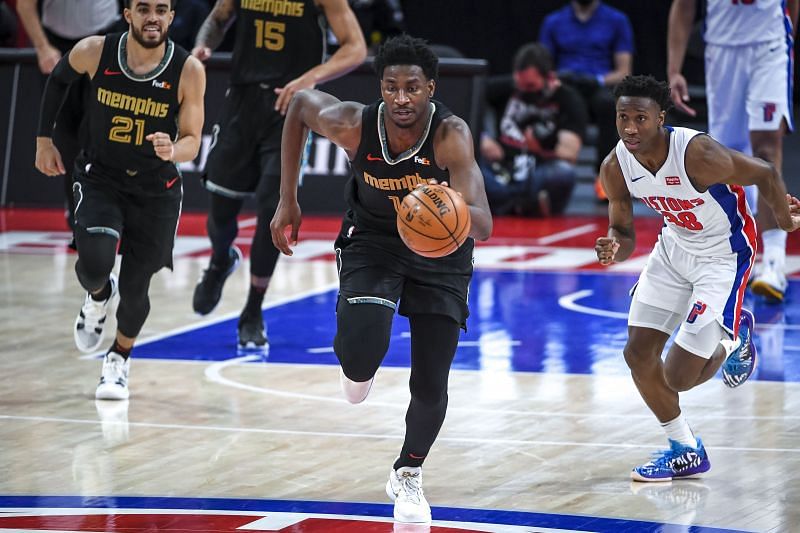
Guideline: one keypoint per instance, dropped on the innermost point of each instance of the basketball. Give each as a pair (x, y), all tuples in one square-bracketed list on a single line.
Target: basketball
[(433, 220)]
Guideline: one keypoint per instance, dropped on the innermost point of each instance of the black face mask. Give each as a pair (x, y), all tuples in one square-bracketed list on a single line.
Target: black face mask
[(584, 3), (532, 97)]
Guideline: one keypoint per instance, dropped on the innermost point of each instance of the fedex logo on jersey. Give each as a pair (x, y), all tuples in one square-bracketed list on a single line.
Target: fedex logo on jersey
[(697, 309)]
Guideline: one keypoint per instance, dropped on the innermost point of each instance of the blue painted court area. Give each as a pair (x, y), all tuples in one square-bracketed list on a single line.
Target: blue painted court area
[(65, 511), (562, 322)]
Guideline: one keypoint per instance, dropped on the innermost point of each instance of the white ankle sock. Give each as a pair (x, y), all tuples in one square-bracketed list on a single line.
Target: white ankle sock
[(774, 248), (678, 429)]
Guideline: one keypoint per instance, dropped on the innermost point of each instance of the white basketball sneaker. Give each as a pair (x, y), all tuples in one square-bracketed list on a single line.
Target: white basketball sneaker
[(355, 391), (770, 283), (405, 488), (114, 379), (91, 320)]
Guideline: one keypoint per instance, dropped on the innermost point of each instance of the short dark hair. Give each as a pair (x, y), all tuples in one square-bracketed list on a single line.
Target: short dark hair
[(406, 50), (534, 55), (172, 4), (647, 87)]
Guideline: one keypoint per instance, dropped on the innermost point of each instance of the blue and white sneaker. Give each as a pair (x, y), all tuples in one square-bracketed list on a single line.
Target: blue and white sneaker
[(741, 363), (679, 462)]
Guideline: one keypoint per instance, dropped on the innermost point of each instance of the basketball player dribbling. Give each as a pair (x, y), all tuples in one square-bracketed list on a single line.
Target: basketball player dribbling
[(402, 141), (696, 275)]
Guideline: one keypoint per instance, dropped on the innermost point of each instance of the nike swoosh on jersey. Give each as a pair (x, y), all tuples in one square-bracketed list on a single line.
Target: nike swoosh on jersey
[(371, 157), (171, 182), (637, 179), (108, 72)]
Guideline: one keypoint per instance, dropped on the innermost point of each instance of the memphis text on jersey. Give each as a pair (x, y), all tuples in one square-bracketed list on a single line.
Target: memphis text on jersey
[(137, 106), (408, 182), (275, 7)]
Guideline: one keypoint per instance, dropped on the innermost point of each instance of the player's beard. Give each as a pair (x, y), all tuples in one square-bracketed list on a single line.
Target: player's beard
[(138, 36)]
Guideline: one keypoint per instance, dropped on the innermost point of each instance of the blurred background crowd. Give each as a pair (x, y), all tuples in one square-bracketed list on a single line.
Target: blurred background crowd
[(549, 108)]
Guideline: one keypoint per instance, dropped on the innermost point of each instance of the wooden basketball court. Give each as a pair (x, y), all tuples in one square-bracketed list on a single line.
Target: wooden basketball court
[(543, 428)]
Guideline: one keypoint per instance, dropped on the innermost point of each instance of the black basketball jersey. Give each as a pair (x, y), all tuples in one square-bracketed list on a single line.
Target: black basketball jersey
[(125, 107), (276, 40), (380, 180)]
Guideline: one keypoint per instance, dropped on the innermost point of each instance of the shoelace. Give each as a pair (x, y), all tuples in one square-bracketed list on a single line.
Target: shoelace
[(411, 486), (743, 358), (116, 371), (93, 311), (676, 460)]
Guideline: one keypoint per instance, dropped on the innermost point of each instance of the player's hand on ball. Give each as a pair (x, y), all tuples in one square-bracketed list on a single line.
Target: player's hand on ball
[(162, 144), (606, 248)]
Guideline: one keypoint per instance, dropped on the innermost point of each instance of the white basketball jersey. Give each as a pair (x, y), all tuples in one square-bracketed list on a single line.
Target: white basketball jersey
[(738, 22), (713, 222)]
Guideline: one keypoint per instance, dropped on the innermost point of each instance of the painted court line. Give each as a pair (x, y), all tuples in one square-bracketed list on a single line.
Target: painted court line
[(376, 436), (214, 374), (566, 234)]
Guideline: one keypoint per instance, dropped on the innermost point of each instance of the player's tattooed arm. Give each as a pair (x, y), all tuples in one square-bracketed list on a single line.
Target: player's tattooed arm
[(213, 29)]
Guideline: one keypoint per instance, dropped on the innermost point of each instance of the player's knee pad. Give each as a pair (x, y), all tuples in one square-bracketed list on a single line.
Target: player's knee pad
[(97, 252), (222, 212), (364, 326)]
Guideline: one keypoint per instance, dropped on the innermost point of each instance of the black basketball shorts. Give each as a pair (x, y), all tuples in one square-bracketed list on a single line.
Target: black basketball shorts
[(377, 265), (245, 155), (142, 212)]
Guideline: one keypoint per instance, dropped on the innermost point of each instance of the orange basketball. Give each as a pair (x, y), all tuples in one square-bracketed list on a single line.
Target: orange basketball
[(433, 220)]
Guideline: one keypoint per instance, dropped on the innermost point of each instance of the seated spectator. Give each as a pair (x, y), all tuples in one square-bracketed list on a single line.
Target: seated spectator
[(529, 166), (592, 48)]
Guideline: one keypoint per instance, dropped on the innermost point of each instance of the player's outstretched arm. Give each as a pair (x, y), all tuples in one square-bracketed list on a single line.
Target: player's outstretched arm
[(454, 151), (351, 53), (708, 163), (213, 29), (310, 110), (620, 241), (681, 17), (82, 60)]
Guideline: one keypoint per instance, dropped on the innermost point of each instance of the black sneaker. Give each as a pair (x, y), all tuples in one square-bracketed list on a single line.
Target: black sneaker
[(209, 289), (251, 331)]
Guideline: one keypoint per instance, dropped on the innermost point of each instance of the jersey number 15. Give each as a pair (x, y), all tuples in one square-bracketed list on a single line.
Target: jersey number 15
[(269, 34)]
